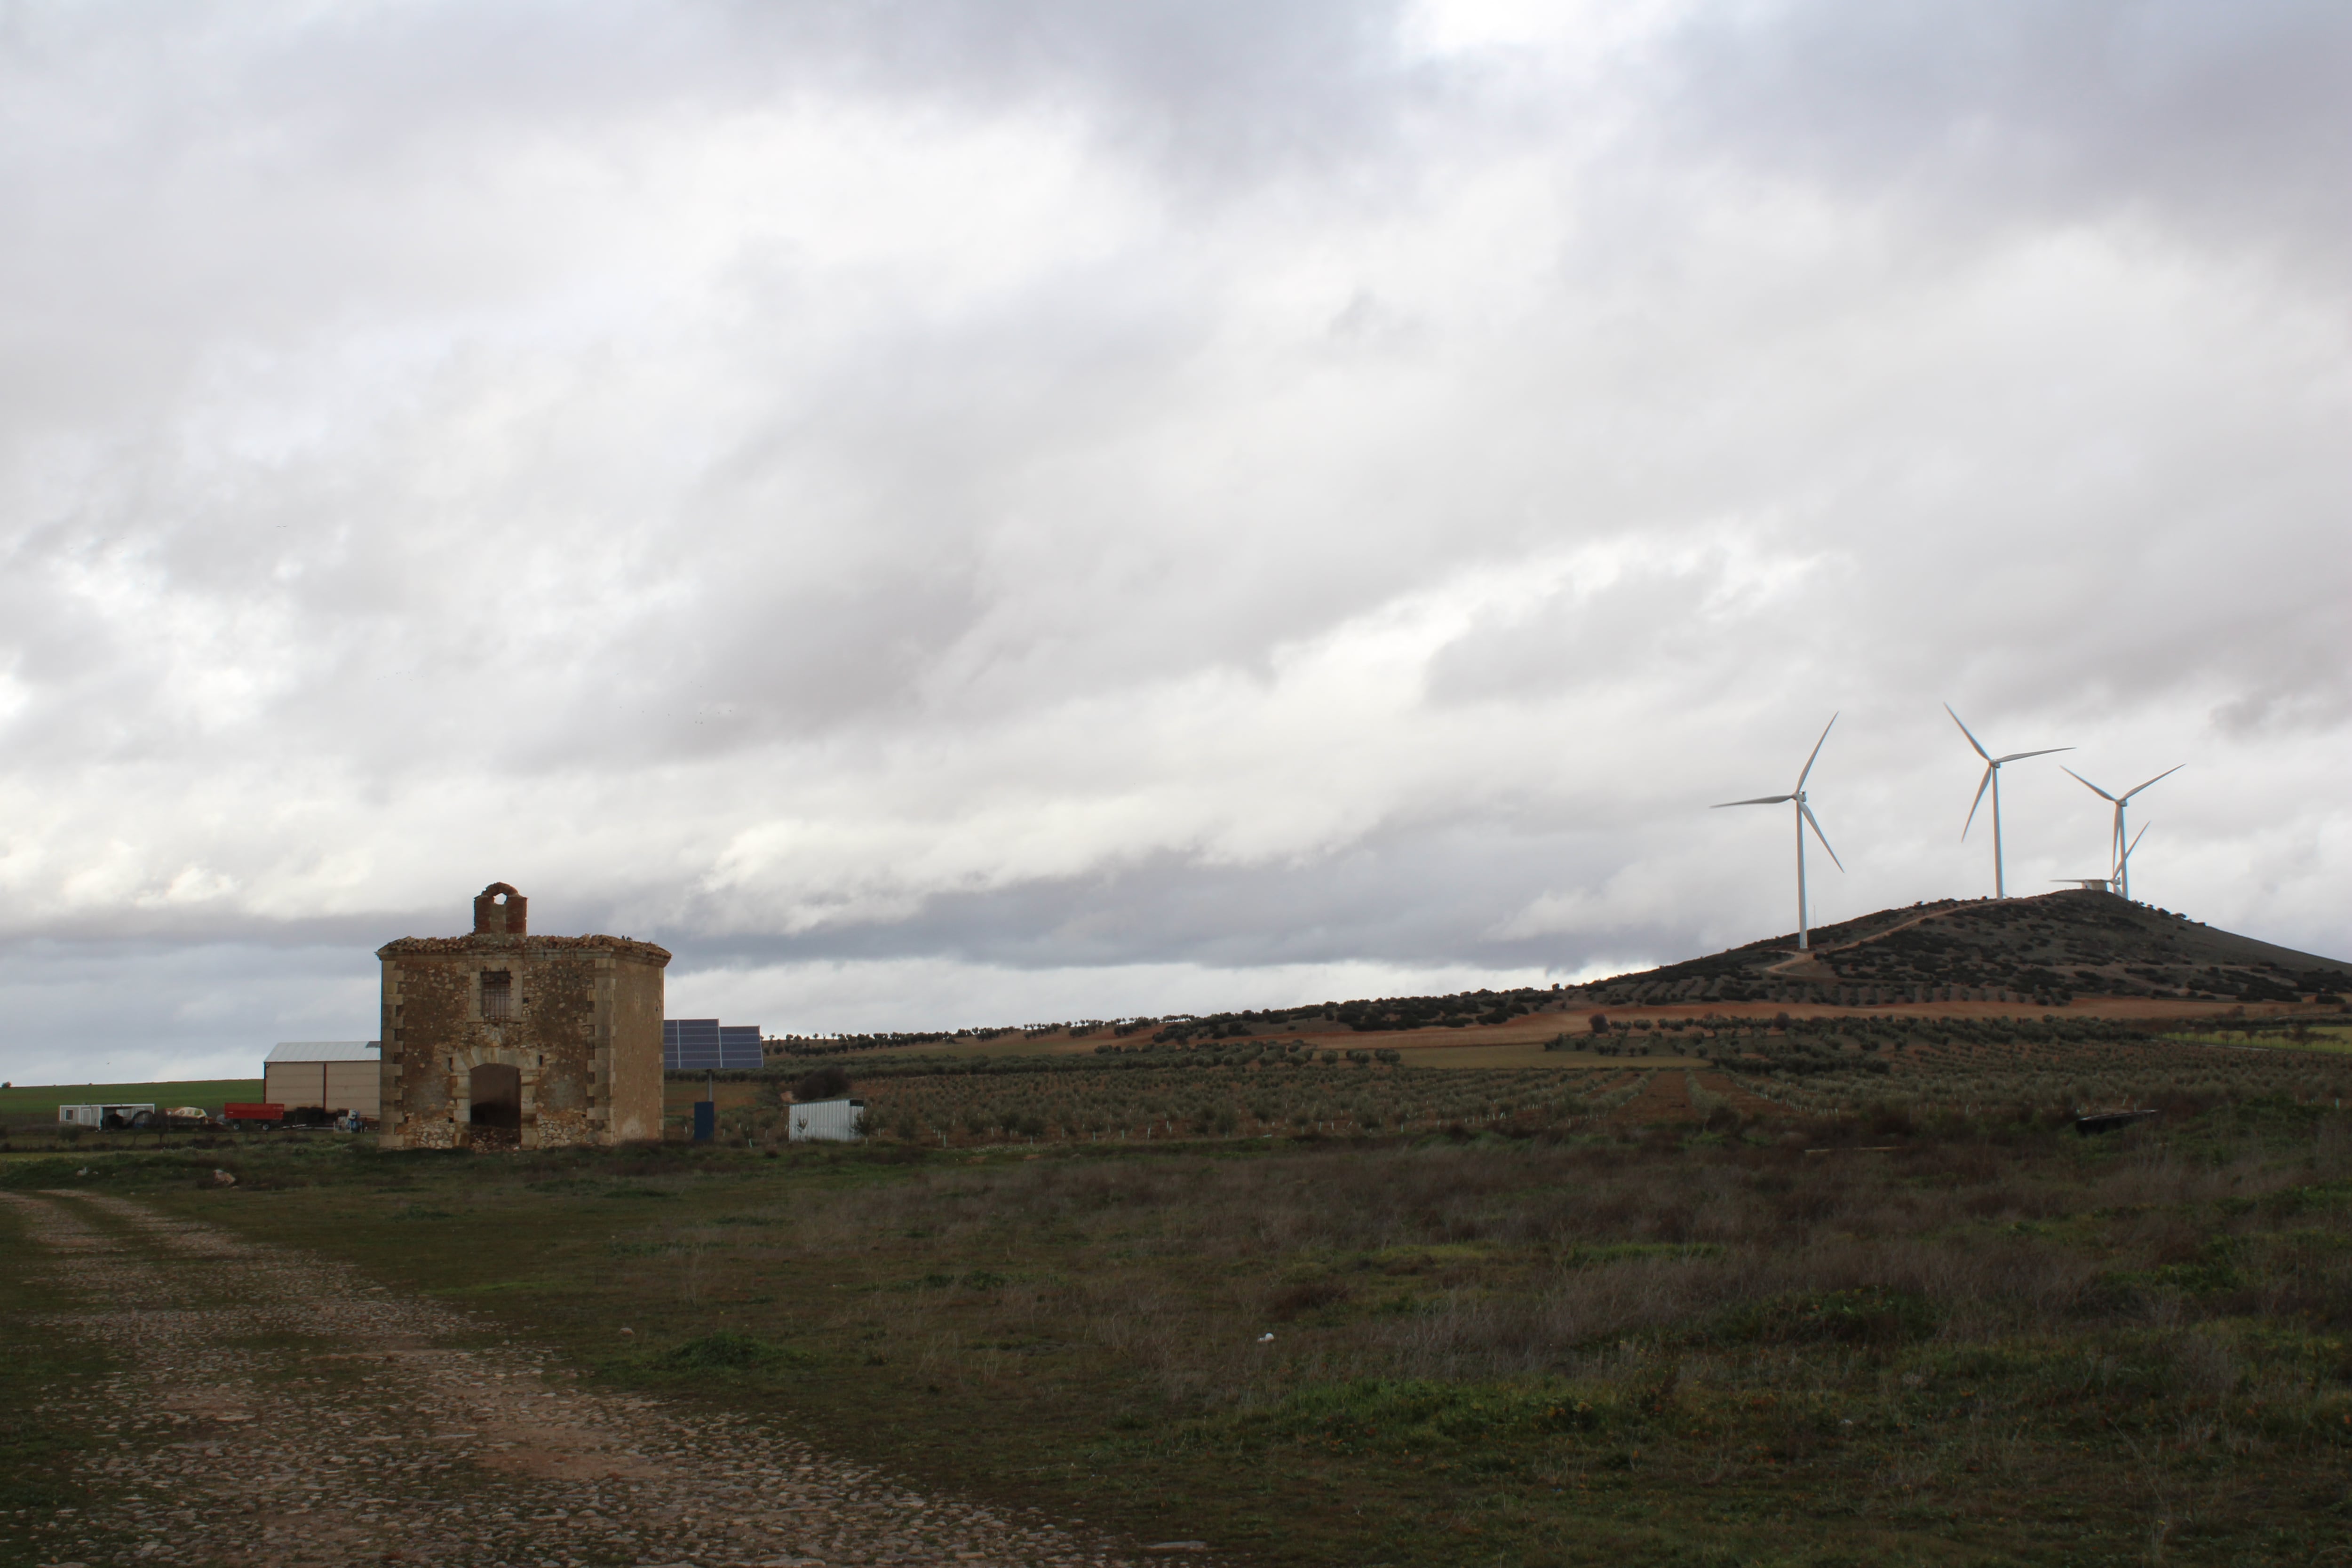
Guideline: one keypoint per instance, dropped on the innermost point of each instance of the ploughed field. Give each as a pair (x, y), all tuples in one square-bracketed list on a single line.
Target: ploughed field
[(1696, 1318)]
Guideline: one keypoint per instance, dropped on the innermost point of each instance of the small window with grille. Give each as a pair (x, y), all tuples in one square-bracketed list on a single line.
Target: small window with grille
[(498, 994)]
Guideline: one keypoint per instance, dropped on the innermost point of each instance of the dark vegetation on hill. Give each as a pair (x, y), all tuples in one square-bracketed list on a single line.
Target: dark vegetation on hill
[(2040, 952), (2046, 950)]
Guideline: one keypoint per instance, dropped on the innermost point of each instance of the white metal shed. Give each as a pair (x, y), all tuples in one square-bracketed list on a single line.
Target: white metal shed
[(329, 1075), (828, 1122)]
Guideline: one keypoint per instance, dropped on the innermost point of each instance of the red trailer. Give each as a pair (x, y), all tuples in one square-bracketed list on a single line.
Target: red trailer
[(259, 1115)]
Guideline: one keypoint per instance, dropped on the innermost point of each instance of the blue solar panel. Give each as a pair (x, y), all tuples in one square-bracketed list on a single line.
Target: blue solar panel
[(690, 1044), (738, 1046)]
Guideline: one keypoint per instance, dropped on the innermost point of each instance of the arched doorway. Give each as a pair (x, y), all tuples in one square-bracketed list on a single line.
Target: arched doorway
[(497, 1093)]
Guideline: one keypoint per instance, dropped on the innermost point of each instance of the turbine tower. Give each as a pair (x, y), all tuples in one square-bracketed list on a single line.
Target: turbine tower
[(2119, 849), (1992, 780), (1805, 818), (2123, 861)]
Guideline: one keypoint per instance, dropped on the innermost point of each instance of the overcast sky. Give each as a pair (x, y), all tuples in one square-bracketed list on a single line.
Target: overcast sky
[(955, 513)]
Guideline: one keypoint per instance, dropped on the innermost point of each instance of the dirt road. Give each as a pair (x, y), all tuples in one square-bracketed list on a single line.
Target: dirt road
[(271, 1408)]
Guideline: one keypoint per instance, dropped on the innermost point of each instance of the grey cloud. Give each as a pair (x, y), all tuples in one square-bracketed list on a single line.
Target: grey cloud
[(1411, 896), (134, 1012), (2223, 119), (1052, 487)]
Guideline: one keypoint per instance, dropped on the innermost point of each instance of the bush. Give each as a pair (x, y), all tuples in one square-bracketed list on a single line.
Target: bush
[(1871, 1315), (724, 1352), (824, 1083)]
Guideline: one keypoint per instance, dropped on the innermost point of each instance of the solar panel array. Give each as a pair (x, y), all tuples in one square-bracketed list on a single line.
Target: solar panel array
[(695, 1045), (738, 1045)]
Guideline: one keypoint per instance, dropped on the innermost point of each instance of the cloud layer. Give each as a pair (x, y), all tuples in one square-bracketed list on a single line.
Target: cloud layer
[(955, 513)]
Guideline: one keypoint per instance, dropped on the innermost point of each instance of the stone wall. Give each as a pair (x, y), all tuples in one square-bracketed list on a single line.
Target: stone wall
[(579, 1019)]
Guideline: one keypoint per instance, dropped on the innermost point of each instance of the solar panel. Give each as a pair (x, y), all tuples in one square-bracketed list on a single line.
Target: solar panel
[(690, 1044), (696, 1045), (738, 1046)]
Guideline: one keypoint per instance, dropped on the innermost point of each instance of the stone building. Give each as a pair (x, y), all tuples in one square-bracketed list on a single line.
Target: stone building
[(502, 1039)]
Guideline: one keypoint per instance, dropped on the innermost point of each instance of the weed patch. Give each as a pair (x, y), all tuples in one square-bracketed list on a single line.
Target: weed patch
[(1869, 1316)]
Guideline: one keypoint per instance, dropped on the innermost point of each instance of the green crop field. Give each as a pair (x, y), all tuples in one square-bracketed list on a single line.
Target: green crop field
[(2332, 1039), (37, 1103), (1702, 1070)]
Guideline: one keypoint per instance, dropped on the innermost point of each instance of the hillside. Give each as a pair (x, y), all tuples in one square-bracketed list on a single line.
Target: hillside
[(2040, 952), (2045, 949)]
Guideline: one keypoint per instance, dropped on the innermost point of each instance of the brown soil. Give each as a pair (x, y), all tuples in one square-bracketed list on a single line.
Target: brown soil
[(1665, 1098), (1743, 1100), (271, 1408)]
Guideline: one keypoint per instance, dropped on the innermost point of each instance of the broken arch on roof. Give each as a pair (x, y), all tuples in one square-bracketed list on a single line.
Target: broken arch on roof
[(499, 911)]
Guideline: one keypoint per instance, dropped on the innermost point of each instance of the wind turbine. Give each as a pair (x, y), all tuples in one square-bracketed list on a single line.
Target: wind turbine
[(2123, 861), (1804, 818), (1992, 780), (2119, 849)]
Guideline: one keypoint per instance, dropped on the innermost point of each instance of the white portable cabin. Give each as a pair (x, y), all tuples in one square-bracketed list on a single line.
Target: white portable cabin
[(100, 1115), (827, 1122), (327, 1074)]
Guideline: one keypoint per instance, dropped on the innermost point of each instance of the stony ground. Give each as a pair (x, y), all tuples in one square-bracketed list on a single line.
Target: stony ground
[(275, 1408)]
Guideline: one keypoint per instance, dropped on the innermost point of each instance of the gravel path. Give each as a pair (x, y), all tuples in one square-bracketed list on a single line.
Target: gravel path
[(272, 1407)]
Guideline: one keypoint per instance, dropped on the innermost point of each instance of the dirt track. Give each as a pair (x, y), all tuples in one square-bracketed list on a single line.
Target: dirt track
[(271, 1408)]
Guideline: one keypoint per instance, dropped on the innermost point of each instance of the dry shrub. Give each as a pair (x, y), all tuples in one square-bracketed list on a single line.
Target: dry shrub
[(1289, 1301)]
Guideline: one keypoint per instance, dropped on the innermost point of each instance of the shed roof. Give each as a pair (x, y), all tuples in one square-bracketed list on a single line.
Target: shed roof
[(323, 1051)]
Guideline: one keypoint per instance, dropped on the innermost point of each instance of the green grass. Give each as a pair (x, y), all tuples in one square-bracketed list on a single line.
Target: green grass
[(39, 1102), (2000, 1342), (2327, 1039), (41, 1443)]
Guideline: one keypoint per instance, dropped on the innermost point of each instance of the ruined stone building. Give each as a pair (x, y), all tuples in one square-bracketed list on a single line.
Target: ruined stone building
[(502, 1039)]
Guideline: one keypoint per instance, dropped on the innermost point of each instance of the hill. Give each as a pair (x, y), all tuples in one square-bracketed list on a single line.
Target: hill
[(2042, 952), (2047, 950)]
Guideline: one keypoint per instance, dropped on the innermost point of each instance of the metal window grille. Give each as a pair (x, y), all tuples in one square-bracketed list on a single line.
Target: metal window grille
[(498, 994)]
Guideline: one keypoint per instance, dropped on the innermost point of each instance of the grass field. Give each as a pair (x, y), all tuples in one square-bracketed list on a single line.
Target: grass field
[(23, 1103), (1881, 1340), (2334, 1040), (1835, 1064)]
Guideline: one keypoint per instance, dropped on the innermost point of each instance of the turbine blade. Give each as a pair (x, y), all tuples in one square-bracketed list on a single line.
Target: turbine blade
[(1815, 824), (1972, 740), (2086, 783), (2164, 774), (1760, 800), (1982, 785), (1817, 751), (2137, 838), (2044, 752)]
